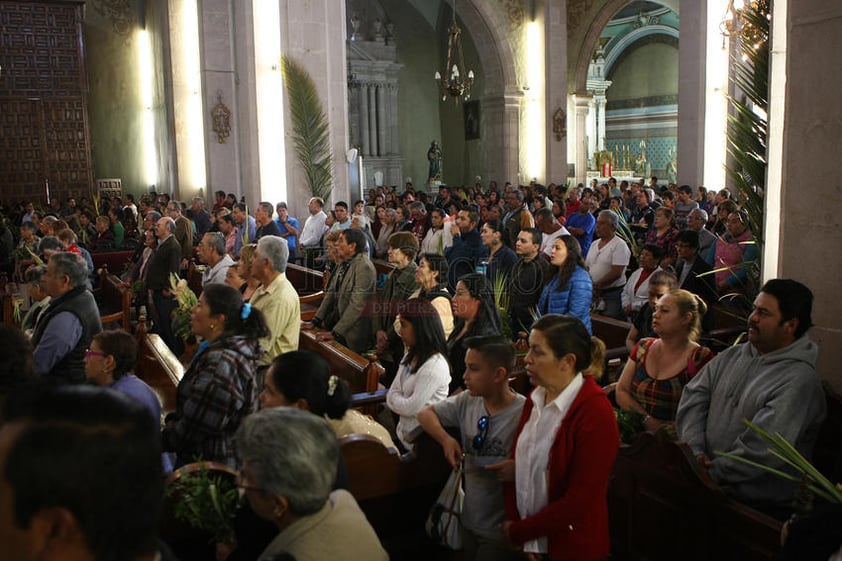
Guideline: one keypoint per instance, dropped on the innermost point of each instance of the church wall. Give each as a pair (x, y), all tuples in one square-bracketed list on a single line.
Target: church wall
[(115, 108), (418, 106), (811, 233), (648, 71), (467, 157)]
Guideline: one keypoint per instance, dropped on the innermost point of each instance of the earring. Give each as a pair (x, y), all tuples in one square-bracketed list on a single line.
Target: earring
[(212, 326)]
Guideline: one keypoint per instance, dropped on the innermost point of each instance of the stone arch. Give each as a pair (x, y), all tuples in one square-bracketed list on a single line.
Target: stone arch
[(489, 32), (628, 40), (490, 28), (584, 39)]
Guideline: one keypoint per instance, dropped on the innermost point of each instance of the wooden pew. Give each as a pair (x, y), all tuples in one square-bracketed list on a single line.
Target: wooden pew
[(309, 284), (112, 260), (663, 506), (114, 299), (396, 492), (613, 333), (158, 367), (361, 373)]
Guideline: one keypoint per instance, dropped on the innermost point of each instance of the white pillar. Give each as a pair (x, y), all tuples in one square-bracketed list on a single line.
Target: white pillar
[(600, 100), (590, 127), (583, 151)]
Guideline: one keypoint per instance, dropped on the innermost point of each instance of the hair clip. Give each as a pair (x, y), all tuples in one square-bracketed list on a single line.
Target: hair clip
[(331, 385), (246, 312)]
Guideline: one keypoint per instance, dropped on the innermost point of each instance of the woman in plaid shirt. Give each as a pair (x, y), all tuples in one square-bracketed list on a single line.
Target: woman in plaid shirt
[(218, 390)]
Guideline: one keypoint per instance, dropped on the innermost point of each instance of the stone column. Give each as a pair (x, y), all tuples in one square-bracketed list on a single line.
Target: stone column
[(371, 90), (503, 118), (599, 100), (314, 33), (590, 126), (394, 137), (583, 104), (555, 77), (382, 142), (364, 117), (692, 62), (805, 135)]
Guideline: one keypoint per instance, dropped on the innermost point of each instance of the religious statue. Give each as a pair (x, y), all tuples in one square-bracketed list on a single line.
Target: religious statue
[(434, 157), (672, 165), (641, 165)]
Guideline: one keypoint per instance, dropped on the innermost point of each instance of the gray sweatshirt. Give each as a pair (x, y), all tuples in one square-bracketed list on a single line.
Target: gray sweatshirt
[(780, 391)]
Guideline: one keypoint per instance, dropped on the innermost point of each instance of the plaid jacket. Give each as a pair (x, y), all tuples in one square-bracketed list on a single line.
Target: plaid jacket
[(216, 393)]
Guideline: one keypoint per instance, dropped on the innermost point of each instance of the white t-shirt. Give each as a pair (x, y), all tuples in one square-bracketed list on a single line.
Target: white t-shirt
[(549, 239), (600, 261)]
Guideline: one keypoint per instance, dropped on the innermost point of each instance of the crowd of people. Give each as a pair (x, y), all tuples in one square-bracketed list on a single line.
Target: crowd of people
[(472, 270)]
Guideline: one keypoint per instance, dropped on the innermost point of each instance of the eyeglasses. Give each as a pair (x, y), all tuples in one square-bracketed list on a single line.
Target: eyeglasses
[(482, 427), (241, 483), (89, 352)]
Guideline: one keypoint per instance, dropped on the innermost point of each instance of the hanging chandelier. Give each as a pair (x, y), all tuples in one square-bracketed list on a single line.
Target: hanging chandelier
[(740, 21), (454, 84), (732, 23)]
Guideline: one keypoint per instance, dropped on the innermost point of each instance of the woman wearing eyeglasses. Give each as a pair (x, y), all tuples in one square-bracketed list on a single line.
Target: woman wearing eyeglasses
[(109, 362), (423, 375), (564, 450)]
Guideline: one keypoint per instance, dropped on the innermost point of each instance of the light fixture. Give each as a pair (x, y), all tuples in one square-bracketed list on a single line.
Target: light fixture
[(740, 21), (454, 84), (732, 23)]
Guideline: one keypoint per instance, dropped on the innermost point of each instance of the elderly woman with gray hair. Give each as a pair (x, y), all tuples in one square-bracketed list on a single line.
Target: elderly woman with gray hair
[(289, 460)]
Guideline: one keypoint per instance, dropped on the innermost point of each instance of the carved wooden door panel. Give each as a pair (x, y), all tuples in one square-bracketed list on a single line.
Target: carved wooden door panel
[(22, 155), (43, 100)]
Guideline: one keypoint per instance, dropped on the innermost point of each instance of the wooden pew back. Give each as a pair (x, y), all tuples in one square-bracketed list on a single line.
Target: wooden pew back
[(115, 300), (661, 504), (159, 368), (361, 373), (395, 492)]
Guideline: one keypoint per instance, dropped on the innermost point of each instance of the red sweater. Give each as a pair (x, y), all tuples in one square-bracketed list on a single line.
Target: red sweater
[(575, 519)]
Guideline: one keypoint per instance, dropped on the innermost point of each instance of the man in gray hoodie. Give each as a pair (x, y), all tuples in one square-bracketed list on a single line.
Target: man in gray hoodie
[(771, 381)]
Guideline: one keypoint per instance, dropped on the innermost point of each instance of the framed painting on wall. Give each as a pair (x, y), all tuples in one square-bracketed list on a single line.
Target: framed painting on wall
[(470, 109)]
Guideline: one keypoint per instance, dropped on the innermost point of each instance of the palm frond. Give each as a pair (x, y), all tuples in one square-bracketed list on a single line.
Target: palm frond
[(310, 129), (747, 125)]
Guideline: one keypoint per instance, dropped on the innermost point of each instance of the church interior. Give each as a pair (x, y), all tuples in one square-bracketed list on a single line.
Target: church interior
[(191, 97), (127, 89)]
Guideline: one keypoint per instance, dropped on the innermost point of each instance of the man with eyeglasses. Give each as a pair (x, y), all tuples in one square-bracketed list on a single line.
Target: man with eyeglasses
[(696, 221), (486, 417)]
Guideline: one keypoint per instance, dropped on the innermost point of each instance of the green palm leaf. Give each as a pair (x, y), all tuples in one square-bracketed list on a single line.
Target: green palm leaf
[(310, 129), (747, 130)]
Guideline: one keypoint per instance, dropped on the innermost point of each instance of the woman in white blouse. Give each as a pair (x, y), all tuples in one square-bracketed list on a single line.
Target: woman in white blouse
[(564, 449), (423, 376), (438, 237)]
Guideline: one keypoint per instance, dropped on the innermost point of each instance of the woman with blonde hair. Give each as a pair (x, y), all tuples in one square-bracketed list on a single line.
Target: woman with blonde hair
[(244, 270), (659, 368)]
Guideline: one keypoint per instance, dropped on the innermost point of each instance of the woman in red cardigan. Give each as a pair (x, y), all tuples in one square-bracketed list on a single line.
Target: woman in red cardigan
[(564, 450)]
